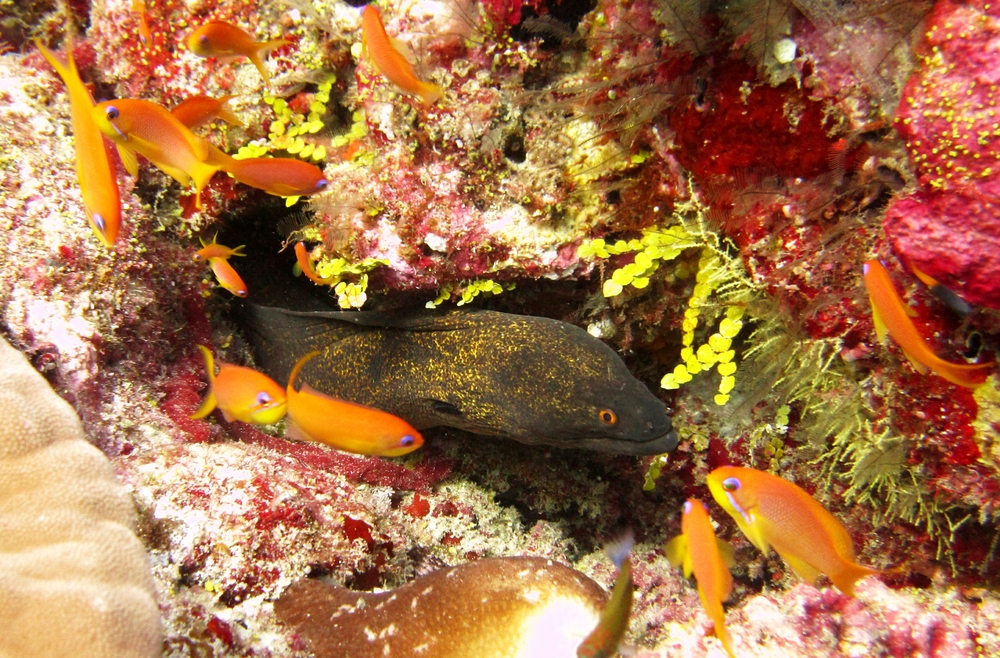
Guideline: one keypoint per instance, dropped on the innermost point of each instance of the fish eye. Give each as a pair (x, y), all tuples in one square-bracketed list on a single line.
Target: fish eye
[(203, 39), (731, 484), (322, 184), (111, 113), (407, 440), (263, 399), (241, 293), (686, 507), (608, 417), (99, 222)]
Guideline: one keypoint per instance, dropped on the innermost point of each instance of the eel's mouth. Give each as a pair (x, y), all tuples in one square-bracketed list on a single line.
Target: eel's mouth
[(653, 446)]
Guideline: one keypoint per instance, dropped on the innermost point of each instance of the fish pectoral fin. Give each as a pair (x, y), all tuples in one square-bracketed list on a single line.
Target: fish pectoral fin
[(129, 160), (919, 367), (676, 550), (754, 533), (442, 407), (802, 569), (726, 552), (880, 329), (293, 431)]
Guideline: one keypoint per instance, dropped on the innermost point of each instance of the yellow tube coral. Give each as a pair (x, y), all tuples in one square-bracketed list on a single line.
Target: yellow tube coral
[(74, 579)]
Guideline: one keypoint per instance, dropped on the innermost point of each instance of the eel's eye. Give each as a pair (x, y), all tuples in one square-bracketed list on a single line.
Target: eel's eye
[(111, 113), (731, 484), (608, 417), (407, 440)]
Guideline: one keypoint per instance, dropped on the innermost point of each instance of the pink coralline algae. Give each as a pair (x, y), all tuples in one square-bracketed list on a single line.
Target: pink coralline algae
[(949, 117)]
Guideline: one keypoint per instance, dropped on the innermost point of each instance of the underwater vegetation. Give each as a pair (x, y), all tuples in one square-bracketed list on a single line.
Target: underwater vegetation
[(696, 185)]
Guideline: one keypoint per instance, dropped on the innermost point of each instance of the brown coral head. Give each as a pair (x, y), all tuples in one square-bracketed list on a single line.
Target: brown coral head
[(494, 607)]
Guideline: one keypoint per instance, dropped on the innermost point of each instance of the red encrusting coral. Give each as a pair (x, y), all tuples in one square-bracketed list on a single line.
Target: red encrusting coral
[(947, 116)]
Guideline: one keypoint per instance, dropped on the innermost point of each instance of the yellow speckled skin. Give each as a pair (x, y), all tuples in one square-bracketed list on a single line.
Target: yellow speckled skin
[(531, 379), (516, 607)]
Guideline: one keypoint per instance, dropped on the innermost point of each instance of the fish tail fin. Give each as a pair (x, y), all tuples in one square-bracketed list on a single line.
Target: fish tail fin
[(298, 367), (849, 575), (208, 404), (226, 114), (722, 633), (258, 55), (619, 549)]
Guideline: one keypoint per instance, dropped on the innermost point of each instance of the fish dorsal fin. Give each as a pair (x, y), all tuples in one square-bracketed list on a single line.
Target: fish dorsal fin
[(293, 431), (410, 320), (802, 569), (129, 160)]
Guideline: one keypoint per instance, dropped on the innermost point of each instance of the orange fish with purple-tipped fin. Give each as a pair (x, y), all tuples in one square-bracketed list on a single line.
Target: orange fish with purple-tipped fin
[(221, 39), (891, 316), (277, 176), (774, 513), (302, 258), (314, 416), (142, 127), (389, 61), (698, 551), (241, 394), (94, 170)]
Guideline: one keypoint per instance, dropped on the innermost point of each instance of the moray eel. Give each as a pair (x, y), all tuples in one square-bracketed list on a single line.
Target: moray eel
[(491, 608), (530, 379)]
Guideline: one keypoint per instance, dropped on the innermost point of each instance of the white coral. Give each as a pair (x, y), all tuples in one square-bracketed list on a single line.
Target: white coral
[(74, 579)]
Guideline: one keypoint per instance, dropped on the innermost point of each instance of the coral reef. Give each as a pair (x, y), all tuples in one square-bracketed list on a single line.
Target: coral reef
[(697, 189), (74, 579)]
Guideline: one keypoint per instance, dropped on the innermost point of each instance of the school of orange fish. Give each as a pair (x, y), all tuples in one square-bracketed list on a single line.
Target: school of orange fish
[(770, 511)]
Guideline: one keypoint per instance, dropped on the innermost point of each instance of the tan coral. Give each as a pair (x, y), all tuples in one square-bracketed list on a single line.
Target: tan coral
[(74, 579)]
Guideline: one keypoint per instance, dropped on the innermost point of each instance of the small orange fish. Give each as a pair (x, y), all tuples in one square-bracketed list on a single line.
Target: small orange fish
[(215, 250), (241, 393), (139, 7), (227, 277), (221, 39), (302, 258), (138, 126), (389, 61), (198, 110), (278, 176), (314, 416), (604, 640), (94, 170), (698, 551), (891, 316), (773, 512)]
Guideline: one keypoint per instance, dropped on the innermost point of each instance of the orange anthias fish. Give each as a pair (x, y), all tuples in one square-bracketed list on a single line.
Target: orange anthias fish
[(139, 7), (221, 39), (302, 258), (890, 315), (241, 393), (604, 640), (198, 110), (98, 183), (138, 126), (698, 551), (773, 512), (390, 61), (215, 250), (313, 416), (227, 277)]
